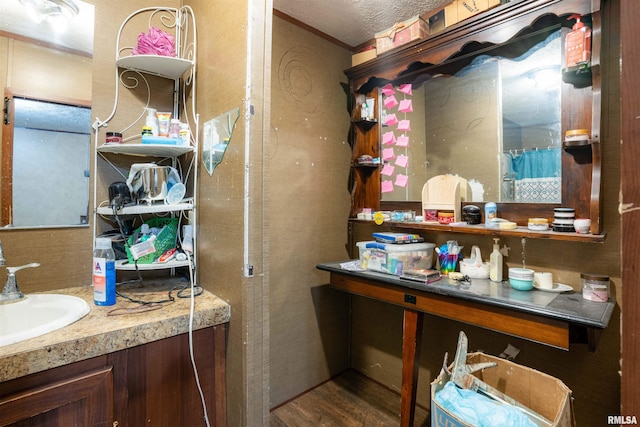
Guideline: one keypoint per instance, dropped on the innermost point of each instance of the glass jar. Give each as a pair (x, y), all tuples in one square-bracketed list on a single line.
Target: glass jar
[(595, 287), (114, 138)]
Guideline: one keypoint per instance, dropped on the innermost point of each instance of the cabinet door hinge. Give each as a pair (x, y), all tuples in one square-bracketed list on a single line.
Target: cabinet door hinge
[(7, 103)]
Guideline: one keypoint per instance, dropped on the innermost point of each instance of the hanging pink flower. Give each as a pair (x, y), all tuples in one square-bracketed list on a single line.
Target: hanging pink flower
[(155, 42)]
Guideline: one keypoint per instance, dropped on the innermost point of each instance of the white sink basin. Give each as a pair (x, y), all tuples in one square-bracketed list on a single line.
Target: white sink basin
[(38, 314)]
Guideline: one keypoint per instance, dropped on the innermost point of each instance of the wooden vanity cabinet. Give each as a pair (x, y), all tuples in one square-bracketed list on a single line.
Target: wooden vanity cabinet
[(151, 384)]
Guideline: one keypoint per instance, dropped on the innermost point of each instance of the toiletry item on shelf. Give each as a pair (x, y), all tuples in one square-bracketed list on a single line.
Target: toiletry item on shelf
[(490, 212), (471, 214), (104, 272), (187, 238), (174, 128), (113, 138), (495, 262), (578, 44), (164, 121), (185, 134), (152, 121)]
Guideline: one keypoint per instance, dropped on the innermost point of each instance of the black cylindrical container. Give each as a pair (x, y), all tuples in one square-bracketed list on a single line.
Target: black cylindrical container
[(471, 214)]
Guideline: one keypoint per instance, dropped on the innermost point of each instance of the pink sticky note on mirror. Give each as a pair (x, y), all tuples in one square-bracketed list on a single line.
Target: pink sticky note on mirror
[(386, 186), (402, 141), (404, 125), (406, 106), (387, 170), (387, 89), (390, 101), (390, 120), (406, 89), (388, 138), (401, 180), (388, 154), (402, 160)]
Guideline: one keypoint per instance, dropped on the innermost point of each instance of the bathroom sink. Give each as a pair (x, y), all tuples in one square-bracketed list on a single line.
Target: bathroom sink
[(38, 314)]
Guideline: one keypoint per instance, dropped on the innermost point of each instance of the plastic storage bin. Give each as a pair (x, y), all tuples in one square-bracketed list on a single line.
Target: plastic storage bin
[(395, 258)]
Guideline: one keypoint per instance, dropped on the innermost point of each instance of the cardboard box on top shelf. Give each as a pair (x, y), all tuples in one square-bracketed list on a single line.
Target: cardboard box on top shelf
[(542, 393), (436, 22), (459, 10), (363, 56), (401, 33)]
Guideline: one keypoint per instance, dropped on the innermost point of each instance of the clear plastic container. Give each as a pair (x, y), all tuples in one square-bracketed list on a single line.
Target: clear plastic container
[(595, 287), (104, 272)]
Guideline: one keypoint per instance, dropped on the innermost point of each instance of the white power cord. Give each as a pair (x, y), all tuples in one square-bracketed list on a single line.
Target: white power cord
[(193, 360)]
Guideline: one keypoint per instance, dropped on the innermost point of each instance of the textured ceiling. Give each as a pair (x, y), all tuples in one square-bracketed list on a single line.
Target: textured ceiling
[(354, 21)]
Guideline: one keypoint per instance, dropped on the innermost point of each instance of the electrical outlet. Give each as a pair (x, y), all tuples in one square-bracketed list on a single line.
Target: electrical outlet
[(411, 299)]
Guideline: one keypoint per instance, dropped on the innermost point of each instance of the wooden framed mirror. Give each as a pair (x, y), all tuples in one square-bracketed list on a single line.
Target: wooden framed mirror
[(512, 30)]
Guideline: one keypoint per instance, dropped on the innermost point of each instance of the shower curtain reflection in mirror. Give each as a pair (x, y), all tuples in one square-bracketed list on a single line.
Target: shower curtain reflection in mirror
[(536, 175)]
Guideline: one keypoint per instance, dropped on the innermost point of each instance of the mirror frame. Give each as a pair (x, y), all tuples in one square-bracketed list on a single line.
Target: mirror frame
[(581, 107)]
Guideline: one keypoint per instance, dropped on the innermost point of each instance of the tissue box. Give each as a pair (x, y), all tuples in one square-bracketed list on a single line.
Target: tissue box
[(395, 258), (401, 33), (540, 392), (459, 10)]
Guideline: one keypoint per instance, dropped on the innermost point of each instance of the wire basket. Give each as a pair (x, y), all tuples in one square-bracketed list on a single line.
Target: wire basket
[(164, 241)]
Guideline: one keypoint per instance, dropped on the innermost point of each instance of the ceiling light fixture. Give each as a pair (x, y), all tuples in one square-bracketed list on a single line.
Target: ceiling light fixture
[(43, 10)]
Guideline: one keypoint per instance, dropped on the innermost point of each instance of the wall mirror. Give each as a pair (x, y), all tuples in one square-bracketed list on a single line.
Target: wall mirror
[(47, 112), (489, 99), (495, 122)]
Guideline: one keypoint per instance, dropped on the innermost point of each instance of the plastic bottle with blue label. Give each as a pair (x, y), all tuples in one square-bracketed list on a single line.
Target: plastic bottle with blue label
[(104, 272), (490, 212)]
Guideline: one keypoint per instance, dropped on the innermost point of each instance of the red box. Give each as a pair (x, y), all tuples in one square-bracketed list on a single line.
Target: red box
[(401, 33)]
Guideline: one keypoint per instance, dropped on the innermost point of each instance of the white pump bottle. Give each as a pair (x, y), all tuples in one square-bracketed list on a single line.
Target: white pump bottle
[(495, 262)]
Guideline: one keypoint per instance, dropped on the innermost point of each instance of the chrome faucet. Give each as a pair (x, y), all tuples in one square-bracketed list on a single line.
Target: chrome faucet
[(11, 292)]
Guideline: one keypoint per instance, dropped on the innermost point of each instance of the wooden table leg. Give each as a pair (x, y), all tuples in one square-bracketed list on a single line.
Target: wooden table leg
[(411, 339)]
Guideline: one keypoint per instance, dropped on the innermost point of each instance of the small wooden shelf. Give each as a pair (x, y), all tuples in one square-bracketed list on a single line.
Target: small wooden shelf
[(579, 77), (482, 230)]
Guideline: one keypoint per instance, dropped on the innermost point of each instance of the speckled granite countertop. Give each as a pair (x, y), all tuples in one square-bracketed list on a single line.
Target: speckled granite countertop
[(104, 330)]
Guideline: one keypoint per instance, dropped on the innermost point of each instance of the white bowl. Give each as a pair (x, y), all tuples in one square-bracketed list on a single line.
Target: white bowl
[(582, 225), (521, 274)]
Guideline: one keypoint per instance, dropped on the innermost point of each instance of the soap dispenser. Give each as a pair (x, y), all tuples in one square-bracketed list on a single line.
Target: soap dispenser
[(495, 262)]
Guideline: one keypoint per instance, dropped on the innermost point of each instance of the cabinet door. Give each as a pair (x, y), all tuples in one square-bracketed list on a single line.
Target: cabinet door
[(84, 399)]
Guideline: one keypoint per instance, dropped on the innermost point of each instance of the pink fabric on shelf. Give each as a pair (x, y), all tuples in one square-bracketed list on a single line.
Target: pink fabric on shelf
[(155, 42)]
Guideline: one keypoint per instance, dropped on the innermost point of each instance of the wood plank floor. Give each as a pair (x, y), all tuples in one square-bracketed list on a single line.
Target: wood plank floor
[(350, 400)]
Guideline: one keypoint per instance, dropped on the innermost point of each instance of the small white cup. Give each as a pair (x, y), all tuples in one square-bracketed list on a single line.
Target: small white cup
[(582, 225), (543, 280)]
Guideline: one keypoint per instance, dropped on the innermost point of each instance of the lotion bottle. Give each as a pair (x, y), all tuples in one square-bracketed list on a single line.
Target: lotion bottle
[(152, 121), (495, 262)]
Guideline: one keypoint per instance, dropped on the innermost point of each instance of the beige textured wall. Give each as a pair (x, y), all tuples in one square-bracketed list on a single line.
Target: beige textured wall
[(308, 204)]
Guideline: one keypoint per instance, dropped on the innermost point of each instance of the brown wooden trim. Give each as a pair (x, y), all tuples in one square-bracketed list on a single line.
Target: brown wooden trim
[(312, 30), (21, 93), (630, 205), (411, 345), (539, 329), (6, 190)]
